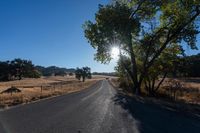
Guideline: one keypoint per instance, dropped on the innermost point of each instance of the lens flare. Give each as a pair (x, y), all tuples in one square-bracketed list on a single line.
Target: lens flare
[(115, 53)]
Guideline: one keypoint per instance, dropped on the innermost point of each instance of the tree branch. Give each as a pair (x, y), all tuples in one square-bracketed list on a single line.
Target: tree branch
[(161, 81), (137, 9), (125, 66), (169, 38)]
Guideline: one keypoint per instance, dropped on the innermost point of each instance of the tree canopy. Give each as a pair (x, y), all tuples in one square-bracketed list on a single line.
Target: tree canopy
[(84, 72), (187, 66), (147, 32), (17, 69)]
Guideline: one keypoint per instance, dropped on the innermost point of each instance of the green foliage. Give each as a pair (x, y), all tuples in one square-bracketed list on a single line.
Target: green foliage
[(112, 27), (124, 78), (78, 73), (187, 66), (84, 72), (104, 73), (16, 69), (5, 74), (148, 32)]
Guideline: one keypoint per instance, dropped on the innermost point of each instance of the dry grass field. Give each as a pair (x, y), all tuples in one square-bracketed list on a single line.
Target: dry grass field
[(35, 89), (187, 91), (187, 96)]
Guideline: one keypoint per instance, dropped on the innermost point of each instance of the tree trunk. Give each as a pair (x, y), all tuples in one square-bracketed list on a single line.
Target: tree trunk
[(159, 84), (83, 79), (137, 84), (132, 76), (137, 89)]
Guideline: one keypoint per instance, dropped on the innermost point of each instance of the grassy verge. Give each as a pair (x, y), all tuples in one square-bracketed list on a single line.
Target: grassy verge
[(34, 93)]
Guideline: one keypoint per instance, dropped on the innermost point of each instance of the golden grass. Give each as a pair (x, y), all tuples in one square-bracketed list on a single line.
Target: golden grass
[(32, 90), (189, 92)]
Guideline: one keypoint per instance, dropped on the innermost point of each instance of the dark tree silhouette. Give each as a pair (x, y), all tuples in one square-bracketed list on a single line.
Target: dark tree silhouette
[(84, 72), (17, 69)]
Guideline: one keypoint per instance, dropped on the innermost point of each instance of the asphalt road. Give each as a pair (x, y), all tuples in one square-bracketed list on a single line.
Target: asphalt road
[(98, 109)]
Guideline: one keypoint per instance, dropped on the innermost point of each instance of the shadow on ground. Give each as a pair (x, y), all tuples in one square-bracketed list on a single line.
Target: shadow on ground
[(157, 118), (191, 80)]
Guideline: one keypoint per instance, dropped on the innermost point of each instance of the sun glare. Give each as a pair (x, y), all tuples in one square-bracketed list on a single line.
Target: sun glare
[(115, 52)]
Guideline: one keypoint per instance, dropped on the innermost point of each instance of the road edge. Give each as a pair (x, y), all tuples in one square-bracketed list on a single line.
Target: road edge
[(48, 98)]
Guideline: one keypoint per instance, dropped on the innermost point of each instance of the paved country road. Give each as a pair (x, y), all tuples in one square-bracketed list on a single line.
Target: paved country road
[(98, 109)]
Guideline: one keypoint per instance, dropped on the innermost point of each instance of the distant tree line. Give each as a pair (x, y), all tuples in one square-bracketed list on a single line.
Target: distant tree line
[(187, 66), (17, 69), (105, 73)]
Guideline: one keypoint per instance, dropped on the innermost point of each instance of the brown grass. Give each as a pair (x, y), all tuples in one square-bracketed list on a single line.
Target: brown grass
[(189, 91), (190, 95), (35, 89)]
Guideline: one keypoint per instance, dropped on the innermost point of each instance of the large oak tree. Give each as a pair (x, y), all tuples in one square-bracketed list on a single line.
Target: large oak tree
[(143, 30)]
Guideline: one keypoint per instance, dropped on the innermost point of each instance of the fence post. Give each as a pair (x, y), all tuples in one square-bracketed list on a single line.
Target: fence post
[(41, 88), (1, 100)]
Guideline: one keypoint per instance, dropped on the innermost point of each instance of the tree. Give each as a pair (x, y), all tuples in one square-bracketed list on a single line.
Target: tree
[(16, 69), (23, 68), (161, 67), (71, 74), (187, 66), (149, 26), (5, 71), (193, 65), (78, 73), (84, 72), (29, 70), (125, 81)]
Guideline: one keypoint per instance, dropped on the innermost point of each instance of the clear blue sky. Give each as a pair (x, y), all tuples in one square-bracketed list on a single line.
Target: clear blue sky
[(49, 32)]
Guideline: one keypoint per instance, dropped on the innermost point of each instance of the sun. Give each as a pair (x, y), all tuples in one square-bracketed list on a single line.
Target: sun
[(115, 53)]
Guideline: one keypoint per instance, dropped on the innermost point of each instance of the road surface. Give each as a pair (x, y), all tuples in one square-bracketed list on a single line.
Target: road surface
[(98, 109)]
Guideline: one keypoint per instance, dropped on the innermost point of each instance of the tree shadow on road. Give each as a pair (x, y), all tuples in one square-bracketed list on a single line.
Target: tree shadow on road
[(157, 118)]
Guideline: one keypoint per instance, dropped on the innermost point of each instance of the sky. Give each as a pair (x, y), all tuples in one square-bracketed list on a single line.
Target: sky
[(49, 32)]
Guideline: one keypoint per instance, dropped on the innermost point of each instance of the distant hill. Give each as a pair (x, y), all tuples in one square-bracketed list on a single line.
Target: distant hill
[(54, 70)]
